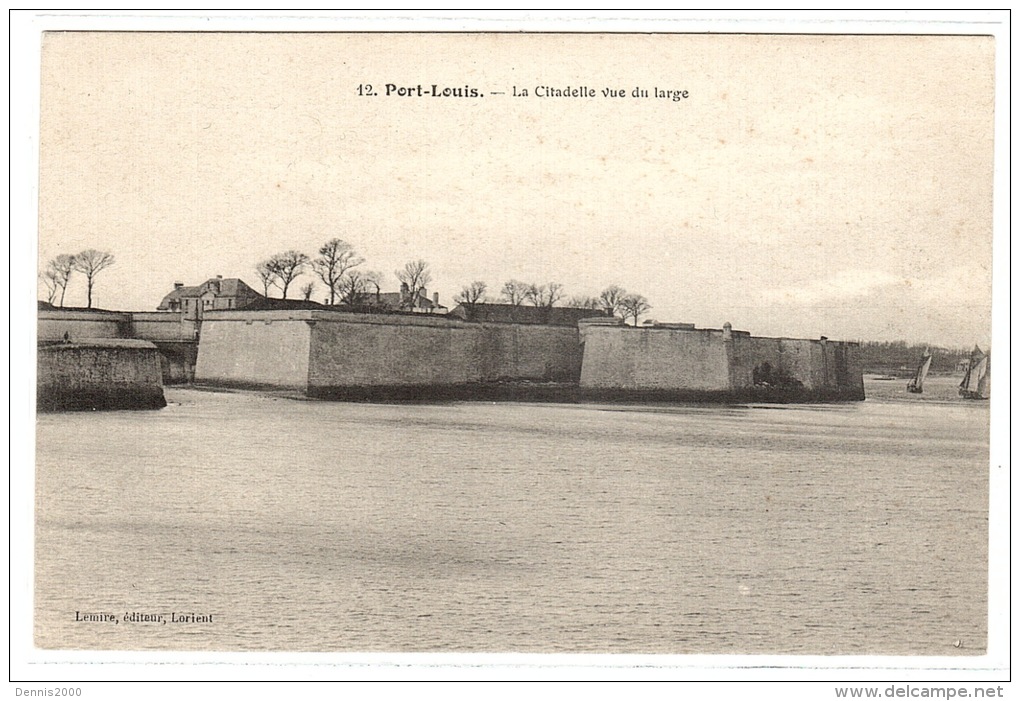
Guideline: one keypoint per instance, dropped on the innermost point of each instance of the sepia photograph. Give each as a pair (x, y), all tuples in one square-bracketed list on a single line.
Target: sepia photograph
[(598, 343)]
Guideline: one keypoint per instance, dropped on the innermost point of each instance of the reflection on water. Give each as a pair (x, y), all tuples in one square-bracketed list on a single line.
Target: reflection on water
[(299, 525)]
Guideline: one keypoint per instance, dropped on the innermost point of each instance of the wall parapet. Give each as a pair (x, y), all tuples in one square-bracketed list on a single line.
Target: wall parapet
[(312, 315)]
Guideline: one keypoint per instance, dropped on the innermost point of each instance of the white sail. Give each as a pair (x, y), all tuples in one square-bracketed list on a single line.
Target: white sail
[(975, 381), (916, 384)]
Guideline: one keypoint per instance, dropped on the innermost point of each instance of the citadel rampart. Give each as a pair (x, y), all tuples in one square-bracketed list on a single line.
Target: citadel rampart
[(99, 374), (688, 364), (624, 357), (344, 355), (255, 349), (174, 336), (60, 324), (371, 356)]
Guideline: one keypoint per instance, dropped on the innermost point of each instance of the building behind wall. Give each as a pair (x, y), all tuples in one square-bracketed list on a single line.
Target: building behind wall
[(214, 294), (402, 301)]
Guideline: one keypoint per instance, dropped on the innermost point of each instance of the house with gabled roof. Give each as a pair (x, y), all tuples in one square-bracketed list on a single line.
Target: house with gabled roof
[(216, 293), (401, 301)]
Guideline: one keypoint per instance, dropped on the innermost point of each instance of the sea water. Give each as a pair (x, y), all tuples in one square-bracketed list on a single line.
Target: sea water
[(243, 521)]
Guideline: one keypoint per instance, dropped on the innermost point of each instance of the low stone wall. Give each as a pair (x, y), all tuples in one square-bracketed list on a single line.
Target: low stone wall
[(99, 374), (174, 336), (82, 325), (162, 326)]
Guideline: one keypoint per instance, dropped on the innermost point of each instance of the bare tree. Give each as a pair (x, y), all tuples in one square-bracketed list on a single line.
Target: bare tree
[(352, 288), (585, 302), (336, 257), (545, 295), (59, 270), (472, 294), (267, 274), (611, 298), (633, 306), (307, 289), (52, 284), (287, 266), (417, 276), (90, 263), (515, 292), (554, 294), (373, 281)]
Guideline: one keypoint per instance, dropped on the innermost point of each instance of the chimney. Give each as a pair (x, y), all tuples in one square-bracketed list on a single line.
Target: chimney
[(178, 285), (219, 277), (435, 298)]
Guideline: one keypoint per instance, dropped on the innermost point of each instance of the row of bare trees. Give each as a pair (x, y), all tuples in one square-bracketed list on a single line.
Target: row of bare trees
[(626, 304), (614, 298), (337, 267), (58, 272)]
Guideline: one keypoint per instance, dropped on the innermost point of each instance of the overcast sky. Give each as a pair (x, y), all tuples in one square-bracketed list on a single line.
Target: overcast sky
[(808, 185)]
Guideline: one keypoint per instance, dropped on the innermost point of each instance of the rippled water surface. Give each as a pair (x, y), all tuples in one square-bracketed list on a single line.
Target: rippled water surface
[(298, 525)]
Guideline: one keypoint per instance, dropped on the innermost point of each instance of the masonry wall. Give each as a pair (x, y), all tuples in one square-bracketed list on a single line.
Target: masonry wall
[(82, 325), (621, 357), (349, 355), (789, 359), (702, 363), (353, 352), (174, 336), (177, 359), (843, 371), (821, 367), (93, 375), (162, 326), (255, 349), (322, 351), (358, 350), (528, 352)]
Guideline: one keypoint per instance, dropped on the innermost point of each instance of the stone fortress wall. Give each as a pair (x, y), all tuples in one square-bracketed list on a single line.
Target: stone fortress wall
[(718, 363), (345, 355), (328, 353)]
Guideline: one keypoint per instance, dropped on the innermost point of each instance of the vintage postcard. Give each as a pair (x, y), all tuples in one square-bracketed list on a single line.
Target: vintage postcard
[(659, 343)]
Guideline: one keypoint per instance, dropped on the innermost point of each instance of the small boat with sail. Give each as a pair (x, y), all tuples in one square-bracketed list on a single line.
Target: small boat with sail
[(976, 379), (916, 384)]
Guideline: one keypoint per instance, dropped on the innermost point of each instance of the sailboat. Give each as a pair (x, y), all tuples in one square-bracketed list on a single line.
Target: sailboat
[(975, 381), (916, 384)]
